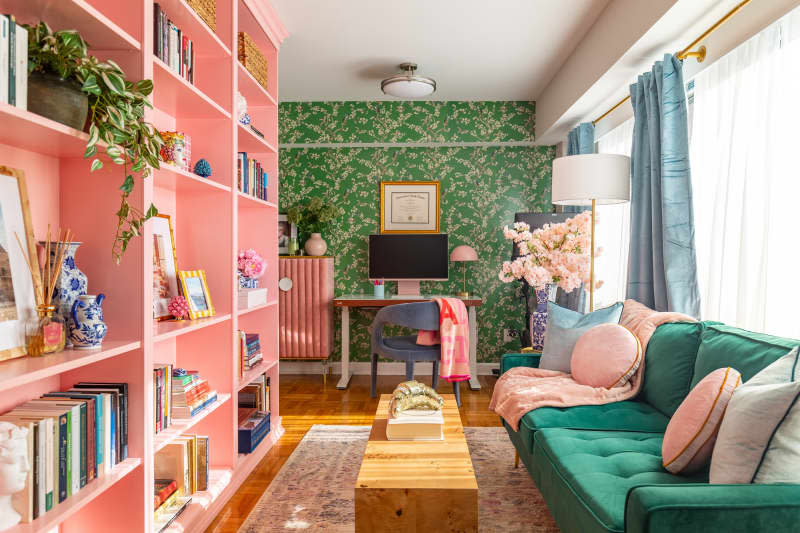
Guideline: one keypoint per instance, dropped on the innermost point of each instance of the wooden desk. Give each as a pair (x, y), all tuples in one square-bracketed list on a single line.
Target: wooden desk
[(369, 301), (417, 486)]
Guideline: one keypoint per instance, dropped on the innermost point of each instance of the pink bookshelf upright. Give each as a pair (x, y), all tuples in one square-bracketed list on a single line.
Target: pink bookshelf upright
[(211, 221)]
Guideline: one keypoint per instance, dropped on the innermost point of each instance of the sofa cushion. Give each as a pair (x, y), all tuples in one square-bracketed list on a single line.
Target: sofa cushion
[(628, 415), (747, 352), (669, 364), (590, 473)]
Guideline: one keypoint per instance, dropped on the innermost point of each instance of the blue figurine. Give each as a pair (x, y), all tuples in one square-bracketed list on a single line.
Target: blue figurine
[(202, 168)]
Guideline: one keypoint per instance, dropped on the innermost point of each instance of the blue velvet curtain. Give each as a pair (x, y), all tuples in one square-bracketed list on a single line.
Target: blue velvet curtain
[(579, 141), (662, 266)]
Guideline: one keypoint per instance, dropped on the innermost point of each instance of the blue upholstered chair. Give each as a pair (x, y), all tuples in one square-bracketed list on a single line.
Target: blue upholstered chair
[(417, 315)]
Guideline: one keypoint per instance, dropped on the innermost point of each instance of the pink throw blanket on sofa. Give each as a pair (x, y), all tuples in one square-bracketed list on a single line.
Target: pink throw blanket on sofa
[(524, 389), (453, 335)]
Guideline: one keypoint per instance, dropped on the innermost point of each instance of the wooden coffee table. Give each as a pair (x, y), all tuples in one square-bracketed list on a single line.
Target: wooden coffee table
[(417, 486)]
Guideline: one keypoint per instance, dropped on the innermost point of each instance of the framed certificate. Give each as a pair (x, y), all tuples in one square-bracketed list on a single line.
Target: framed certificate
[(409, 207)]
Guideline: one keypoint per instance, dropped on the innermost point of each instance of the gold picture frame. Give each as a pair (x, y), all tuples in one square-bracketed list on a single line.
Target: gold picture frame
[(168, 281), (410, 206), (17, 281), (195, 290)]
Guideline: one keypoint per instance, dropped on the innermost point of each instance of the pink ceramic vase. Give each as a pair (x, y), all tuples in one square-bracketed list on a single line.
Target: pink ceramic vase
[(316, 245)]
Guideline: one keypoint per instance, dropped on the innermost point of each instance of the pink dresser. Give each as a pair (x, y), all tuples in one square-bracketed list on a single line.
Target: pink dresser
[(306, 309)]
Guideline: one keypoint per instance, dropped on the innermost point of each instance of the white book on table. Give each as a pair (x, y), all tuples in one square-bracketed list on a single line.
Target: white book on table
[(416, 425)]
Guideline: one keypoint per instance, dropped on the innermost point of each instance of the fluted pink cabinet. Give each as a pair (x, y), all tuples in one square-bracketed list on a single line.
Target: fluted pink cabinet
[(306, 309)]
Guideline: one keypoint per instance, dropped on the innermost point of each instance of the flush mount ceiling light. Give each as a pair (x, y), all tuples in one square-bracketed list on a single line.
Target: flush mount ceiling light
[(407, 85)]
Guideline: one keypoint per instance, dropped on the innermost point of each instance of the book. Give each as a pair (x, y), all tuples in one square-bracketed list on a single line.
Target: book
[(252, 431), (12, 63), (4, 59), (94, 429), (122, 430), (172, 462), (416, 425), (163, 489), (65, 446), (202, 462), (168, 514), (21, 67)]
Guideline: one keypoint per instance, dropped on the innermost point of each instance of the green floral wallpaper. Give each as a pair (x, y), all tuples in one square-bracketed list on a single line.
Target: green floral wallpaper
[(481, 186)]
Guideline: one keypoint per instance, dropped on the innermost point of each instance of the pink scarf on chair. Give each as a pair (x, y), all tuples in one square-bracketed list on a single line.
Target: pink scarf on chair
[(453, 335)]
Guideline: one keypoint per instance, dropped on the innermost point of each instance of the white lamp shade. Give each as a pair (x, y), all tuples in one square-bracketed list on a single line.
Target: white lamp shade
[(408, 87), (579, 179)]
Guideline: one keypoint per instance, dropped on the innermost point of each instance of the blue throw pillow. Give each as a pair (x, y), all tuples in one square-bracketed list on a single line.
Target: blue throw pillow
[(564, 328)]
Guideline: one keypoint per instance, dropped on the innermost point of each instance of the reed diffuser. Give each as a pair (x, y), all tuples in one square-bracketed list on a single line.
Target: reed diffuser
[(46, 333)]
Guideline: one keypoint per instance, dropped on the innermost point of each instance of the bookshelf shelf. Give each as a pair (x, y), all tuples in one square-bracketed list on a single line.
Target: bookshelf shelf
[(24, 370), (179, 426), (179, 98), (29, 131), (172, 178), (77, 501), (97, 29), (270, 303), (256, 95), (168, 329), (207, 42), (218, 481), (249, 201), (251, 143), (253, 373)]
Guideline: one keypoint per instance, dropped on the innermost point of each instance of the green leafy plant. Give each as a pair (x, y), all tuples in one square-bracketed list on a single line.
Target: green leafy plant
[(117, 128), (313, 216)]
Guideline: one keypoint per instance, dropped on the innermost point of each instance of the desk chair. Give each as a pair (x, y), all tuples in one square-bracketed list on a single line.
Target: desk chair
[(417, 315)]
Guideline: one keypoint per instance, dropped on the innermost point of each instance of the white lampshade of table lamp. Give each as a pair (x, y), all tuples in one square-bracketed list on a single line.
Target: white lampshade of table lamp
[(591, 179)]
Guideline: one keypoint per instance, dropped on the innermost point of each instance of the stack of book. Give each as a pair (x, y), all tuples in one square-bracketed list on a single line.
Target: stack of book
[(249, 351), (190, 393), (181, 469), (172, 46), (253, 427), (74, 437), (162, 391), (256, 394), (251, 177), (13, 62)]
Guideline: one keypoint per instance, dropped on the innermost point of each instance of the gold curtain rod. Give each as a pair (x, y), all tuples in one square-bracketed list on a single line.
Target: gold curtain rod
[(700, 53)]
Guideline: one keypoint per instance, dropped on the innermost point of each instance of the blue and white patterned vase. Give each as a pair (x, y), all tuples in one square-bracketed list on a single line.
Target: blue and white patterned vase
[(71, 282), (87, 328), (248, 283), (538, 324)]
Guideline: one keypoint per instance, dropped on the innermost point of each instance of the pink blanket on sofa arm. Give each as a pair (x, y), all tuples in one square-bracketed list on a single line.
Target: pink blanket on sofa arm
[(523, 389), (453, 335)]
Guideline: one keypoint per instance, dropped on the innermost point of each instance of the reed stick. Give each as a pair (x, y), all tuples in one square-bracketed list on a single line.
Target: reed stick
[(37, 287)]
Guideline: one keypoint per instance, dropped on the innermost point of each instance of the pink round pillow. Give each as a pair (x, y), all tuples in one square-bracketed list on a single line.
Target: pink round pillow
[(692, 430), (606, 356)]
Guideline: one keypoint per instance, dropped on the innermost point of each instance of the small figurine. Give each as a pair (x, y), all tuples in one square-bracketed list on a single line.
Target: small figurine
[(178, 307), (14, 467), (202, 168)]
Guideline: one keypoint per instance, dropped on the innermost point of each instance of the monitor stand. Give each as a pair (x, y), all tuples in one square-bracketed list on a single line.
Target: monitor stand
[(408, 287)]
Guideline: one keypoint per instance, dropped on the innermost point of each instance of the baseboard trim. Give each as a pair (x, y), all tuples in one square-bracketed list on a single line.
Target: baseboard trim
[(362, 368)]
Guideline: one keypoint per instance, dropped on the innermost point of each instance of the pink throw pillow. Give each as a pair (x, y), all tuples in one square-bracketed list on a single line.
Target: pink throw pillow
[(692, 430), (606, 356)]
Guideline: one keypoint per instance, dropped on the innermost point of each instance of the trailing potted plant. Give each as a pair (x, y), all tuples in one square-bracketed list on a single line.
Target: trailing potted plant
[(58, 64), (311, 219)]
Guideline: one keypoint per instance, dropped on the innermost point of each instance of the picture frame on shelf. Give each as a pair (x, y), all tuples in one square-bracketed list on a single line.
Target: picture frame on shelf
[(410, 206), (165, 266), (286, 232), (17, 284), (195, 290)]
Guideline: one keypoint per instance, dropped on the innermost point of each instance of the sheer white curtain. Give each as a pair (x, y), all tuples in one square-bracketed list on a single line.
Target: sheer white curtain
[(746, 182), (613, 228)]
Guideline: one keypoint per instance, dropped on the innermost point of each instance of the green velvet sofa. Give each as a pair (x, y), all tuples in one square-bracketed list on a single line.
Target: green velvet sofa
[(599, 467)]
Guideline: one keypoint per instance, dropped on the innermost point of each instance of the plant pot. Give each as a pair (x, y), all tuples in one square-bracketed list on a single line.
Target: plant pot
[(57, 99), (316, 245)]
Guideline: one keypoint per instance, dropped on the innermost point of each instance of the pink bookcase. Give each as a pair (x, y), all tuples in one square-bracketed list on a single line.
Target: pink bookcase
[(211, 221)]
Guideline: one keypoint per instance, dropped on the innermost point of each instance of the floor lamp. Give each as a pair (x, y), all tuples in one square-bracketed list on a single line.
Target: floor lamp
[(591, 179)]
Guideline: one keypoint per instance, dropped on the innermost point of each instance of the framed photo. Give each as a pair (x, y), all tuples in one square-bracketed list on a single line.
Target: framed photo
[(17, 293), (286, 232), (195, 290), (409, 207), (165, 266)]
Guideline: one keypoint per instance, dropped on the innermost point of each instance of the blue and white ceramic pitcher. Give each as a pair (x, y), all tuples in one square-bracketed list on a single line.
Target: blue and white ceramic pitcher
[(87, 328)]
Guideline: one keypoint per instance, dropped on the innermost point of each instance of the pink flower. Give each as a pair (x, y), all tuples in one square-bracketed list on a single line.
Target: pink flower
[(250, 264)]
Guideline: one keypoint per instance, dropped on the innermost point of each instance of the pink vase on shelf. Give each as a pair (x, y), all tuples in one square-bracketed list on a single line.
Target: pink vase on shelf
[(316, 245)]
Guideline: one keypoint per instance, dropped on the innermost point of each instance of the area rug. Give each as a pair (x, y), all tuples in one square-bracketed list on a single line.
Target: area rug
[(314, 489)]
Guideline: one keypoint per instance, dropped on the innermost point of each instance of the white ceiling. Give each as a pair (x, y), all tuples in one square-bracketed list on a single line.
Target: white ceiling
[(476, 50)]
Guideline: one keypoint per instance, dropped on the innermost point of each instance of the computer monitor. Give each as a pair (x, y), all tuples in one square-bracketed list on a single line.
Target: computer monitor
[(408, 258)]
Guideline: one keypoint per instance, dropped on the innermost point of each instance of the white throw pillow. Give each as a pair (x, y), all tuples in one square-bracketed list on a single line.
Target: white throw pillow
[(758, 439)]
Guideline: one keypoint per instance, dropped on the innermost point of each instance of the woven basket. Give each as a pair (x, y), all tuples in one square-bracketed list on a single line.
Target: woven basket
[(207, 9), (252, 58)]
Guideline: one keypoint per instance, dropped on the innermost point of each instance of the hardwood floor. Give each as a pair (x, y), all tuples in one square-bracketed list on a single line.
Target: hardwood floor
[(304, 402)]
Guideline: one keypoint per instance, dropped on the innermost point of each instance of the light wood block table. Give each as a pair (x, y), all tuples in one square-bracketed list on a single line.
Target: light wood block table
[(407, 486)]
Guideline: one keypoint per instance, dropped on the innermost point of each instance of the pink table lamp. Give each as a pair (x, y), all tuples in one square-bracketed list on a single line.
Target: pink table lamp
[(463, 254)]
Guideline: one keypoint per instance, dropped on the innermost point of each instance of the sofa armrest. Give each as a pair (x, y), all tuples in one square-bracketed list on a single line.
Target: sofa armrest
[(704, 508), (510, 360)]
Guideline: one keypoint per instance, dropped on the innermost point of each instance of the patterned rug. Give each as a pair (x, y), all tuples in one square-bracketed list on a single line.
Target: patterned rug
[(314, 489)]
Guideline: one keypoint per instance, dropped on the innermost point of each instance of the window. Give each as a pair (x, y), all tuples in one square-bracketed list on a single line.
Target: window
[(746, 182)]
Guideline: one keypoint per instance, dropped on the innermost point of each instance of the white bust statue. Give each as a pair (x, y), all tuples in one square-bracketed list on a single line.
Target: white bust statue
[(14, 468)]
